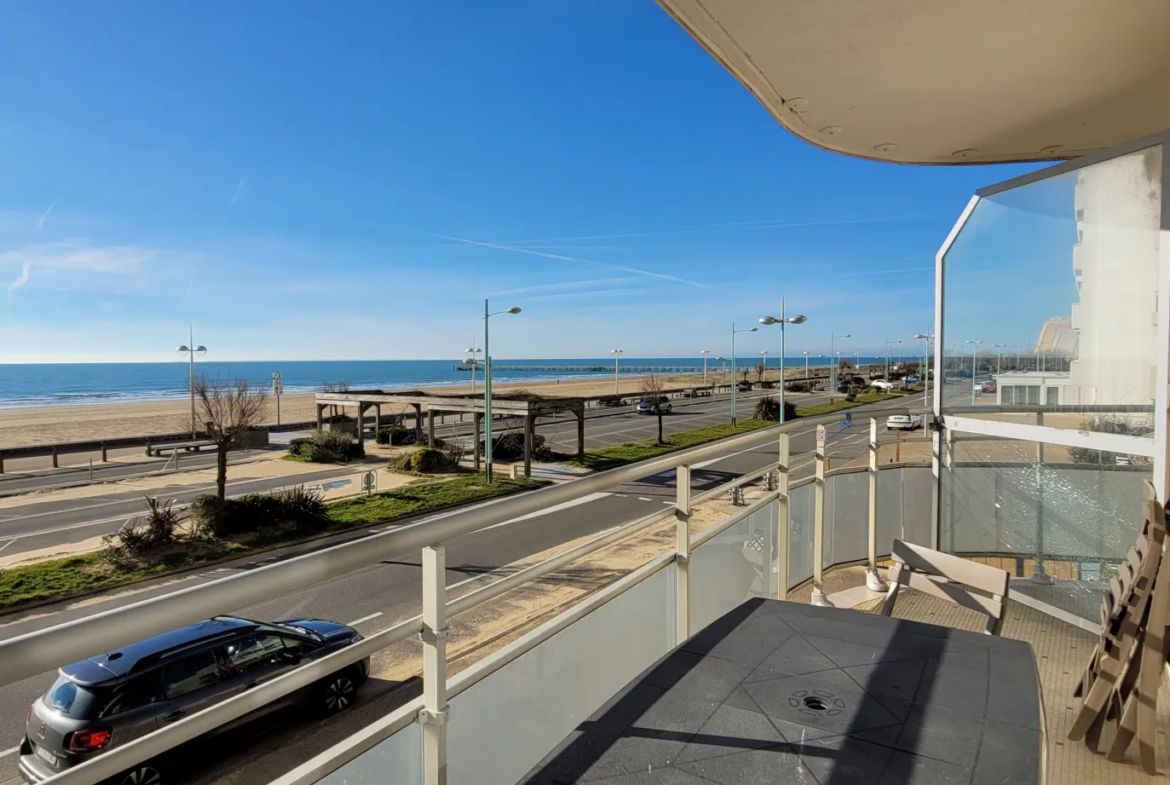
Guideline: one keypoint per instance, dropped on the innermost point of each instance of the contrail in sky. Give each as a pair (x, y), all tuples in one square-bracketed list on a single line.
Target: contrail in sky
[(236, 195), (530, 252), (25, 269), (45, 216)]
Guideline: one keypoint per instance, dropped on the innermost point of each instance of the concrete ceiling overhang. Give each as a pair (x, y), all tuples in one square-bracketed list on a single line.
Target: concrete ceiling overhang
[(947, 81)]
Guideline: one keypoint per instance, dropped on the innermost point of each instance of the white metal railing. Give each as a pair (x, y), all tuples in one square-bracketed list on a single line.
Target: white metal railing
[(30, 654)]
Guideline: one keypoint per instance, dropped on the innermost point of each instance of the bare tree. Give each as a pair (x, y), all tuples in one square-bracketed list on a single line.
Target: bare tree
[(653, 387), (228, 411), (761, 369)]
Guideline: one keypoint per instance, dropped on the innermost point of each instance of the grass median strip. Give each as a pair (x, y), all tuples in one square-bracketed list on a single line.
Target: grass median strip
[(622, 454), (65, 577)]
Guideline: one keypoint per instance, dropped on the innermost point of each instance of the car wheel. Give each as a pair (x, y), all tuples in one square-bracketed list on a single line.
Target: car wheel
[(338, 692), (143, 775)]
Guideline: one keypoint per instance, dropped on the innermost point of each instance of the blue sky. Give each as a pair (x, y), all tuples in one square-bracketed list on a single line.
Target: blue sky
[(350, 181)]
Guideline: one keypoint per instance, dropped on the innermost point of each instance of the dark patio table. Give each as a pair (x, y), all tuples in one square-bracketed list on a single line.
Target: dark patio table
[(778, 692)]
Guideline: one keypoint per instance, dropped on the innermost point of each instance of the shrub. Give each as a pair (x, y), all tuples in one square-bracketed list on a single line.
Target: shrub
[(326, 446), (428, 459), (299, 508), (768, 408), (395, 434), (143, 536), (510, 447), (798, 386)]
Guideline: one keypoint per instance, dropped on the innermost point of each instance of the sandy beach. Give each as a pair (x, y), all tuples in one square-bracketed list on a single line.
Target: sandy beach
[(53, 424)]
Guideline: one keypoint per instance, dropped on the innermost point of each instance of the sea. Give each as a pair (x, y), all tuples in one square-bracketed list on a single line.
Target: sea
[(23, 385)]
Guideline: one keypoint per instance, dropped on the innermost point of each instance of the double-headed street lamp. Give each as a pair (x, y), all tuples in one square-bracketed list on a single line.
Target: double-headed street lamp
[(974, 362), (487, 388), (782, 321), (999, 357), (836, 362), (734, 383), (926, 338), (191, 350), (616, 354), (705, 352)]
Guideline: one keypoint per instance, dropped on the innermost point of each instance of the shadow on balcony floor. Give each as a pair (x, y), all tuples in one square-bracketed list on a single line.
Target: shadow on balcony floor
[(1061, 652)]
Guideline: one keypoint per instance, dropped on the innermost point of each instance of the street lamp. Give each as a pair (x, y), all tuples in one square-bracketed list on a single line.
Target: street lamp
[(705, 352), (782, 321), (999, 357), (806, 366), (836, 362), (974, 361), (734, 384), (926, 338), (472, 362), (191, 350), (764, 354), (616, 354), (889, 343), (723, 360), (487, 388)]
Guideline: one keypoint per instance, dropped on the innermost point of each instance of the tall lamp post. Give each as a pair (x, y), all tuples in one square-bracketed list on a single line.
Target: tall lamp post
[(836, 362), (616, 354), (734, 383), (782, 321), (806, 366), (764, 354), (974, 362), (472, 362), (487, 387), (999, 357), (889, 343), (705, 352), (723, 360), (926, 338), (191, 350)]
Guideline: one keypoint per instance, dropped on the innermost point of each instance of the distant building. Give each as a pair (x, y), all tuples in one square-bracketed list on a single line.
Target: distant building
[(1058, 338), (1032, 388), (1115, 264)]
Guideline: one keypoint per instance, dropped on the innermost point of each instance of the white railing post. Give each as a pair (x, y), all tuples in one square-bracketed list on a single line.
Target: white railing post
[(682, 553), (783, 520), (818, 591), (873, 581), (433, 716)]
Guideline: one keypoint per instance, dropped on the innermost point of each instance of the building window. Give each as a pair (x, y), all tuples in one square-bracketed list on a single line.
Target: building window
[(1053, 394)]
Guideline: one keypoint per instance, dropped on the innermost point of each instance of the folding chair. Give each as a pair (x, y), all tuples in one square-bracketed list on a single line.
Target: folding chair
[(940, 574)]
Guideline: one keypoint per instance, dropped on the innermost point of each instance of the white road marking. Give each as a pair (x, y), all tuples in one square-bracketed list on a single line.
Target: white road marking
[(371, 617), (645, 499), (5, 545), (4, 753)]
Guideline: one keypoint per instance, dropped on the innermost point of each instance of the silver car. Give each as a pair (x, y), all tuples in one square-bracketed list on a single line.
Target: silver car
[(114, 698)]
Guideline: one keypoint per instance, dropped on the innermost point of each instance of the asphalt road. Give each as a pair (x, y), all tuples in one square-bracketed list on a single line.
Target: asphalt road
[(385, 593), (53, 523)]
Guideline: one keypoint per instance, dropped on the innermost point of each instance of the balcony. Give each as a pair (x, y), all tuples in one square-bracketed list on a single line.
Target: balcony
[(1049, 490)]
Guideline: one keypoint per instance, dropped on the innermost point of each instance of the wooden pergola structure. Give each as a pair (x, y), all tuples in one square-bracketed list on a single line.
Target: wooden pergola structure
[(427, 405)]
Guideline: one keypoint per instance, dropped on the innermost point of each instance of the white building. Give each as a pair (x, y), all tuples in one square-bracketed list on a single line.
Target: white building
[(1115, 264), (1032, 388)]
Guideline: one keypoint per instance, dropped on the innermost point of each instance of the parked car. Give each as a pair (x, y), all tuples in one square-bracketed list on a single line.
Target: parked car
[(912, 379), (648, 406), (903, 422), (882, 384), (111, 699), (987, 387)]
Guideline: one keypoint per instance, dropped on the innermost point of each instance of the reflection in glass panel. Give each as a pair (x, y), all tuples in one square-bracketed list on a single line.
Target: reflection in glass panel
[(732, 567), (846, 518), (1050, 298), (800, 535), (1073, 510)]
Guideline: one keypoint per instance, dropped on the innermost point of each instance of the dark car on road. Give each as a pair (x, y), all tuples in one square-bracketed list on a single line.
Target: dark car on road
[(114, 698)]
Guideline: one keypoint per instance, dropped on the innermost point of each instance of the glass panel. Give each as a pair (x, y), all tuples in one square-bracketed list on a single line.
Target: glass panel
[(1051, 292), (889, 519), (1076, 511), (917, 505), (396, 759), (846, 518), (502, 726), (800, 535), (732, 567)]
